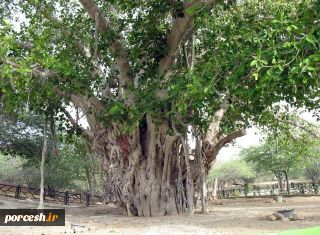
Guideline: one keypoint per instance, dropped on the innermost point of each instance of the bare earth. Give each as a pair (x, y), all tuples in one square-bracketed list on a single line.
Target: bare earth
[(225, 217)]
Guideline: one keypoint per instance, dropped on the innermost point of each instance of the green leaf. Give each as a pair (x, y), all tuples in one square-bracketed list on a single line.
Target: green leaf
[(253, 63), (305, 80), (310, 38)]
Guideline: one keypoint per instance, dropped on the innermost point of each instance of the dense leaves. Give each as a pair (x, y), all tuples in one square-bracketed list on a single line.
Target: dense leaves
[(257, 52)]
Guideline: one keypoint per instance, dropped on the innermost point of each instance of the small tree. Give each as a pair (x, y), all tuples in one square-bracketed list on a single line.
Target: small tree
[(285, 149), (312, 172), (232, 172)]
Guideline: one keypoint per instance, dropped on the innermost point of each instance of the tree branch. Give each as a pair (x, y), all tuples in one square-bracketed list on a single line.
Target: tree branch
[(75, 124), (35, 71), (70, 118), (178, 30), (90, 105), (175, 37), (214, 127), (25, 45), (116, 46), (211, 152), (229, 138)]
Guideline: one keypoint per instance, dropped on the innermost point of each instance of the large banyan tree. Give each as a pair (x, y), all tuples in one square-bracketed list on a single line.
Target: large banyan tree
[(162, 84)]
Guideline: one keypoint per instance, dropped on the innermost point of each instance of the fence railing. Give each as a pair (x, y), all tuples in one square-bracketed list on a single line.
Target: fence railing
[(66, 197), (270, 190)]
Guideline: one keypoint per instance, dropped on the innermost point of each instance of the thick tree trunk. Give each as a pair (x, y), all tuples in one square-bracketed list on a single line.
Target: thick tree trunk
[(280, 180), (202, 177), (149, 172), (43, 159)]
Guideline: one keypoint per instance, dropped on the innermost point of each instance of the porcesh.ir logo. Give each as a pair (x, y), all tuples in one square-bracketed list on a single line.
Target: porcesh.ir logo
[(32, 217)]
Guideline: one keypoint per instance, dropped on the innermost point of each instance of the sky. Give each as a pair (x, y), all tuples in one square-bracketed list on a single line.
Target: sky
[(232, 151)]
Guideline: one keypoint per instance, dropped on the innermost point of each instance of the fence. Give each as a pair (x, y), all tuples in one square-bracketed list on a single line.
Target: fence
[(67, 197), (270, 190)]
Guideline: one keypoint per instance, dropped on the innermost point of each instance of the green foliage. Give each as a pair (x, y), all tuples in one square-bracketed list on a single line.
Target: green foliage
[(312, 171), (234, 171), (21, 140), (11, 170), (258, 52), (67, 171), (21, 135), (312, 166), (285, 149)]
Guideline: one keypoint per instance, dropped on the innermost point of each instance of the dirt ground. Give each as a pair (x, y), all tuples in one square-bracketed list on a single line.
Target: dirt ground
[(225, 217)]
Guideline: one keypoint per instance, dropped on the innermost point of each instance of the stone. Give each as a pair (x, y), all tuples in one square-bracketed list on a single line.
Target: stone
[(295, 217), (78, 228), (280, 216), (271, 218), (69, 230), (284, 218)]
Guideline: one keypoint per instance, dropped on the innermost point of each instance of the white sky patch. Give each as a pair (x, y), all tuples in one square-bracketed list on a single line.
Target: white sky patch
[(232, 151)]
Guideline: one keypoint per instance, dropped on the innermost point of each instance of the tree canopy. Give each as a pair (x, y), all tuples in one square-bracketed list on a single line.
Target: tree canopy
[(257, 53)]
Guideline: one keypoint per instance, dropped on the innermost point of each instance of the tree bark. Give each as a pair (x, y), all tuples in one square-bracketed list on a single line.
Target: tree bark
[(287, 182), (280, 180), (215, 189), (43, 159), (149, 172), (202, 178)]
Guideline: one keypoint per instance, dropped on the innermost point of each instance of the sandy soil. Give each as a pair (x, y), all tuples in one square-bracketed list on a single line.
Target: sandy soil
[(225, 217)]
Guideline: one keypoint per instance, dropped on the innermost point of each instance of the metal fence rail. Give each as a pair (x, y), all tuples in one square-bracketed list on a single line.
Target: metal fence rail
[(67, 197)]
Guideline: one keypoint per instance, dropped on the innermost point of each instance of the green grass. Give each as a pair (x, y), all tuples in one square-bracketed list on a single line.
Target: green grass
[(306, 231)]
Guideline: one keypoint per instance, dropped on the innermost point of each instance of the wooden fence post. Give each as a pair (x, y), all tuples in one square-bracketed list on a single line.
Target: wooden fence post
[(88, 199), (66, 198), (18, 191)]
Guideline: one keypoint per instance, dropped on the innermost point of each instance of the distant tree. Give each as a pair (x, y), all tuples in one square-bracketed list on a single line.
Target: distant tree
[(232, 172), (285, 149), (75, 164), (21, 135), (11, 170), (312, 172)]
